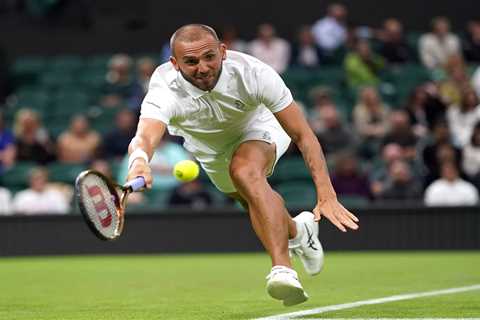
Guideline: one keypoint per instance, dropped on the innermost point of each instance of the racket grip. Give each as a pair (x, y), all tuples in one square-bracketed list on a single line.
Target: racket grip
[(136, 184)]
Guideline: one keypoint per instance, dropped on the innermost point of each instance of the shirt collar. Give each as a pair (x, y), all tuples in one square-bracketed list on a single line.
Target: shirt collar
[(196, 93)]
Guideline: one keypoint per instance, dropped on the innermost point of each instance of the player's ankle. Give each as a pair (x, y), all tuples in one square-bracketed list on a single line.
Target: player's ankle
[(298, 235)]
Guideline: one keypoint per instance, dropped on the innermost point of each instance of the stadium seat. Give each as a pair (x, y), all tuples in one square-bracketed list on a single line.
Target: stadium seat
[(26, 70), (16, 178), (353, 202), (91, 80), (289, 169), (70, 102), (412, 41), (298, 195), (35, 99), (102, 119), (66, 63), (64, 172), (56, 79)]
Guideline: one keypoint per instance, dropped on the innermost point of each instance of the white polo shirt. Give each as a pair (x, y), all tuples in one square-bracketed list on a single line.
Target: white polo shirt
[(247, 93)]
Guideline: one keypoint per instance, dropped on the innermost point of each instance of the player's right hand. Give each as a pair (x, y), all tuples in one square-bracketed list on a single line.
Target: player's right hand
[(140, 168)]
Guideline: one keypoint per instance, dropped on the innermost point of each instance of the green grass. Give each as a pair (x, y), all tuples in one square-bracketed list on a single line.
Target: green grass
[(230, 286)]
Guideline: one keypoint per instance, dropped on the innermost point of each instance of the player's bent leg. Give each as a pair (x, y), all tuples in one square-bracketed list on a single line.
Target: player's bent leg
[(249, 167), (292, 226), (248, 170)]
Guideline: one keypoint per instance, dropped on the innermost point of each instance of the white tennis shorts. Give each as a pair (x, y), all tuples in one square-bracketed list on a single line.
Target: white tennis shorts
[(270, 132)]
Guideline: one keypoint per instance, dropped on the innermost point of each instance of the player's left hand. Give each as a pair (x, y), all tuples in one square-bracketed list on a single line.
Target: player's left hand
[(336, 213)]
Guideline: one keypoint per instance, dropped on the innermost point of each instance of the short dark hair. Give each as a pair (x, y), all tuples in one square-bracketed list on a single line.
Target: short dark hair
[(191, 32)]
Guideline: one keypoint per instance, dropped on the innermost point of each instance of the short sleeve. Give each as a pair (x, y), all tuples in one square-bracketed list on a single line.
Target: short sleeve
[(157, 105), (272, 91)]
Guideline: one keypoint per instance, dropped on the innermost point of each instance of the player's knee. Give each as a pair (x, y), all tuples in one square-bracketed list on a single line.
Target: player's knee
[(244, 174)]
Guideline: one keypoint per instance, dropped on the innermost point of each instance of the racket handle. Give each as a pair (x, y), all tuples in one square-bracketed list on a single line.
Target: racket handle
[(135, 184)]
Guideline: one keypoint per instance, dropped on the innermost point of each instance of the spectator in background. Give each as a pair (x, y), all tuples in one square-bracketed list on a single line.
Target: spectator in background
[(31, 138), (401, 184), (118, 81), (362, 66), (7, 147), (164, 159), (39, 198), (471, 45), (439, 150), (5, 201), (400, 132), (270, 49), (379, 171), (145, 68), (451, 88), (475, 81), (462, 118), (115, 143), (230, 38), (370, 116), (347, 179), (330, 32), (435, 47), (79, 143), (335, 136), (425, 108), (471, 156), (305, 52), (191, 195), (450, 189), (393, 46), (320, 96)]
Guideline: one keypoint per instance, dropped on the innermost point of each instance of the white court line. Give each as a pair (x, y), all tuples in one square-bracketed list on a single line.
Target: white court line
[(287, 316), (391, 319)]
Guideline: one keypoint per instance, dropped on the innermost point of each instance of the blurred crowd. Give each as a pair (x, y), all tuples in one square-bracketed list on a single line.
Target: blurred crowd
[(424, 150)]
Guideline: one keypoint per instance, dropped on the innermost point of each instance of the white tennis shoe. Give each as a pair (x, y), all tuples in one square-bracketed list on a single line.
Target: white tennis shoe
[(283, 284), (306, 244)]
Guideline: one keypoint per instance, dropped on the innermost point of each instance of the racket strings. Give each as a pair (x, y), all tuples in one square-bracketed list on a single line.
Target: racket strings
[(100, 205)]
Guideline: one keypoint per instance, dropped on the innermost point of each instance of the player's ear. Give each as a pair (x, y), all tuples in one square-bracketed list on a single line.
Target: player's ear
[(223, 51), (174, 62)]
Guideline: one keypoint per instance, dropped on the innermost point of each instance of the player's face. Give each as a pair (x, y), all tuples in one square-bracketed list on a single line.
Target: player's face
[(200, 62)]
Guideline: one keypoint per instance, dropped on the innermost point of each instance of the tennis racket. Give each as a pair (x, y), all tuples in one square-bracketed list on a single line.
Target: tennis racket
[(101, 204)]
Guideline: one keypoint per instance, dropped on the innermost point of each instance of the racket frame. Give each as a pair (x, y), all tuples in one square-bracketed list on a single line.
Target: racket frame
[(119, 200)]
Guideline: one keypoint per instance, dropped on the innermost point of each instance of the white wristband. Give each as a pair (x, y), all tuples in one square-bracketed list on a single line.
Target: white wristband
[(138, 153)]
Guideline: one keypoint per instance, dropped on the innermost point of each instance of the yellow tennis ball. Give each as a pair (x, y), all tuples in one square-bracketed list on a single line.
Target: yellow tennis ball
[(186, 170)]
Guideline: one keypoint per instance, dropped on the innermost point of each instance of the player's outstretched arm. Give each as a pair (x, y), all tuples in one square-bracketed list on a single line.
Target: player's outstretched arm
[(141, 148), (295, 124)]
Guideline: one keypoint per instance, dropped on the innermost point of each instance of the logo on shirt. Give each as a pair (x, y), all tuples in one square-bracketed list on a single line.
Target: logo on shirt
[(239, 104), (266, 136)]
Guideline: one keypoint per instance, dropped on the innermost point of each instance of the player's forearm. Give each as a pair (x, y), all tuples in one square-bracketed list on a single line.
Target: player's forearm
[(140, 142), (148, 136), (315, 161)]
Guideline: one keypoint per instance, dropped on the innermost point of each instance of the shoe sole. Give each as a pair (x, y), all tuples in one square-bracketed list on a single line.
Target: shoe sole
[(290, 295)]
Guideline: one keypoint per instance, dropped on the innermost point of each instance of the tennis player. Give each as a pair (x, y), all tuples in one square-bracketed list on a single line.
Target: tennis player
[(237, 118)]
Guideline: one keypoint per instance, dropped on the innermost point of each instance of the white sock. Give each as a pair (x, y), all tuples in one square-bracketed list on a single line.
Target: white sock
[(283, 268), (294, 242)]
